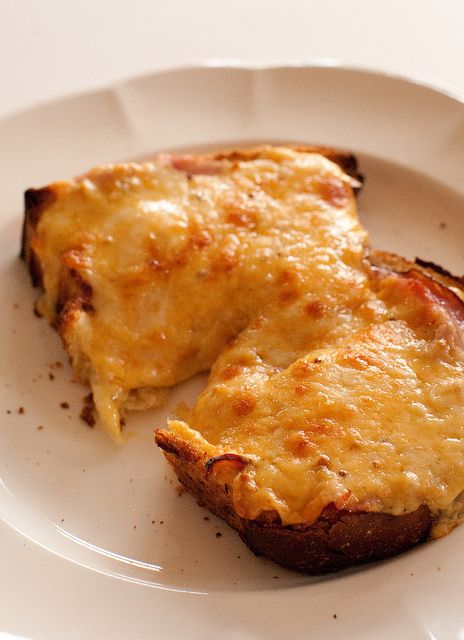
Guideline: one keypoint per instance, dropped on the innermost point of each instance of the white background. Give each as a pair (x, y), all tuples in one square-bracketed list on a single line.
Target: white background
[(49, 48)]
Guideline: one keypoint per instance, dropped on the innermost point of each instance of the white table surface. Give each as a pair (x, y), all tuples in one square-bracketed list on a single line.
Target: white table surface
[(50, 48), (55, 47)]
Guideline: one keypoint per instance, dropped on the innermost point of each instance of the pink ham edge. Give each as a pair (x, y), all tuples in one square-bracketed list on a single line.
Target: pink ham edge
[(191, 164)]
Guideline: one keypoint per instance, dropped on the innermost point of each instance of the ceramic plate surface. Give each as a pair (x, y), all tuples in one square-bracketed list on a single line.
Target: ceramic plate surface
[(95, 540)]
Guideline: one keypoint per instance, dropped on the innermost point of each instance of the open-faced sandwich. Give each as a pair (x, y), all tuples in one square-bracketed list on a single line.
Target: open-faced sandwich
[(331, 428)]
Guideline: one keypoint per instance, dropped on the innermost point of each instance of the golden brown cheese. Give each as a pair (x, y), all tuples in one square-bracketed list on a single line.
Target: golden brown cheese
[(366, 413), (177, 256), (333, 381)]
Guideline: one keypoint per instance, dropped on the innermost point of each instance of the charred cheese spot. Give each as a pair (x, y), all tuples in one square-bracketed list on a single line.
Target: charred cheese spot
[(243, 406), (301, 389), (199, 240), (287, 278), (231, 371), (158, 267), (241, 218), (288, 295), (299, 444), (302, 369), (357, 359), (332, 190), (315, 309), (228, 260)]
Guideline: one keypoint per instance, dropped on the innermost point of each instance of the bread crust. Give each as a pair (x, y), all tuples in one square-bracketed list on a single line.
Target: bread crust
[(35, 202), (386, 260), (336, 540)]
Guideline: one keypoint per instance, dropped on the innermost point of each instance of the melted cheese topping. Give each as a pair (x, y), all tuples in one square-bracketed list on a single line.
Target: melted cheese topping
[(335, 382), (178, 263), (364, 411)]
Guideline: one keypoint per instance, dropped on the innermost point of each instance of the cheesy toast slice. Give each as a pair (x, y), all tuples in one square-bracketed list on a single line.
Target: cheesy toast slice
[(330, 431), (148, 270), (333, 434)]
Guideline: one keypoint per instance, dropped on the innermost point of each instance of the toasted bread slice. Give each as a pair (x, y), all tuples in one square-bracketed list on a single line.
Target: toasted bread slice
[(353, 450), (148, 270)]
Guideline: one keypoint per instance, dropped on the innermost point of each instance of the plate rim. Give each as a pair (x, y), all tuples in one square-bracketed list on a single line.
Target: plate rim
[(442, 89)]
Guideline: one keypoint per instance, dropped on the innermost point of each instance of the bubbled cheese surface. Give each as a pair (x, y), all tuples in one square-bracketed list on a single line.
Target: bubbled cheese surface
[(179, 263), (336, 382)]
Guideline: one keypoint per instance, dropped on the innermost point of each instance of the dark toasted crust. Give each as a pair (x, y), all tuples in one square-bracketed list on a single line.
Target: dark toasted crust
[(74, 291), (35, 202), (346, 160), (444, 274), (191, 469), (384, 259), (336, 540)]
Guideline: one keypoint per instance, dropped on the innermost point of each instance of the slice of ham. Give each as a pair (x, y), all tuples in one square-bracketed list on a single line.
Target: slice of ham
[(430, 291), (424, 302), (192, 164)]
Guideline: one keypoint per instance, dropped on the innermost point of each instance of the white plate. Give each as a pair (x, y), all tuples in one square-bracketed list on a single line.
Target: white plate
[(95, 541)]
